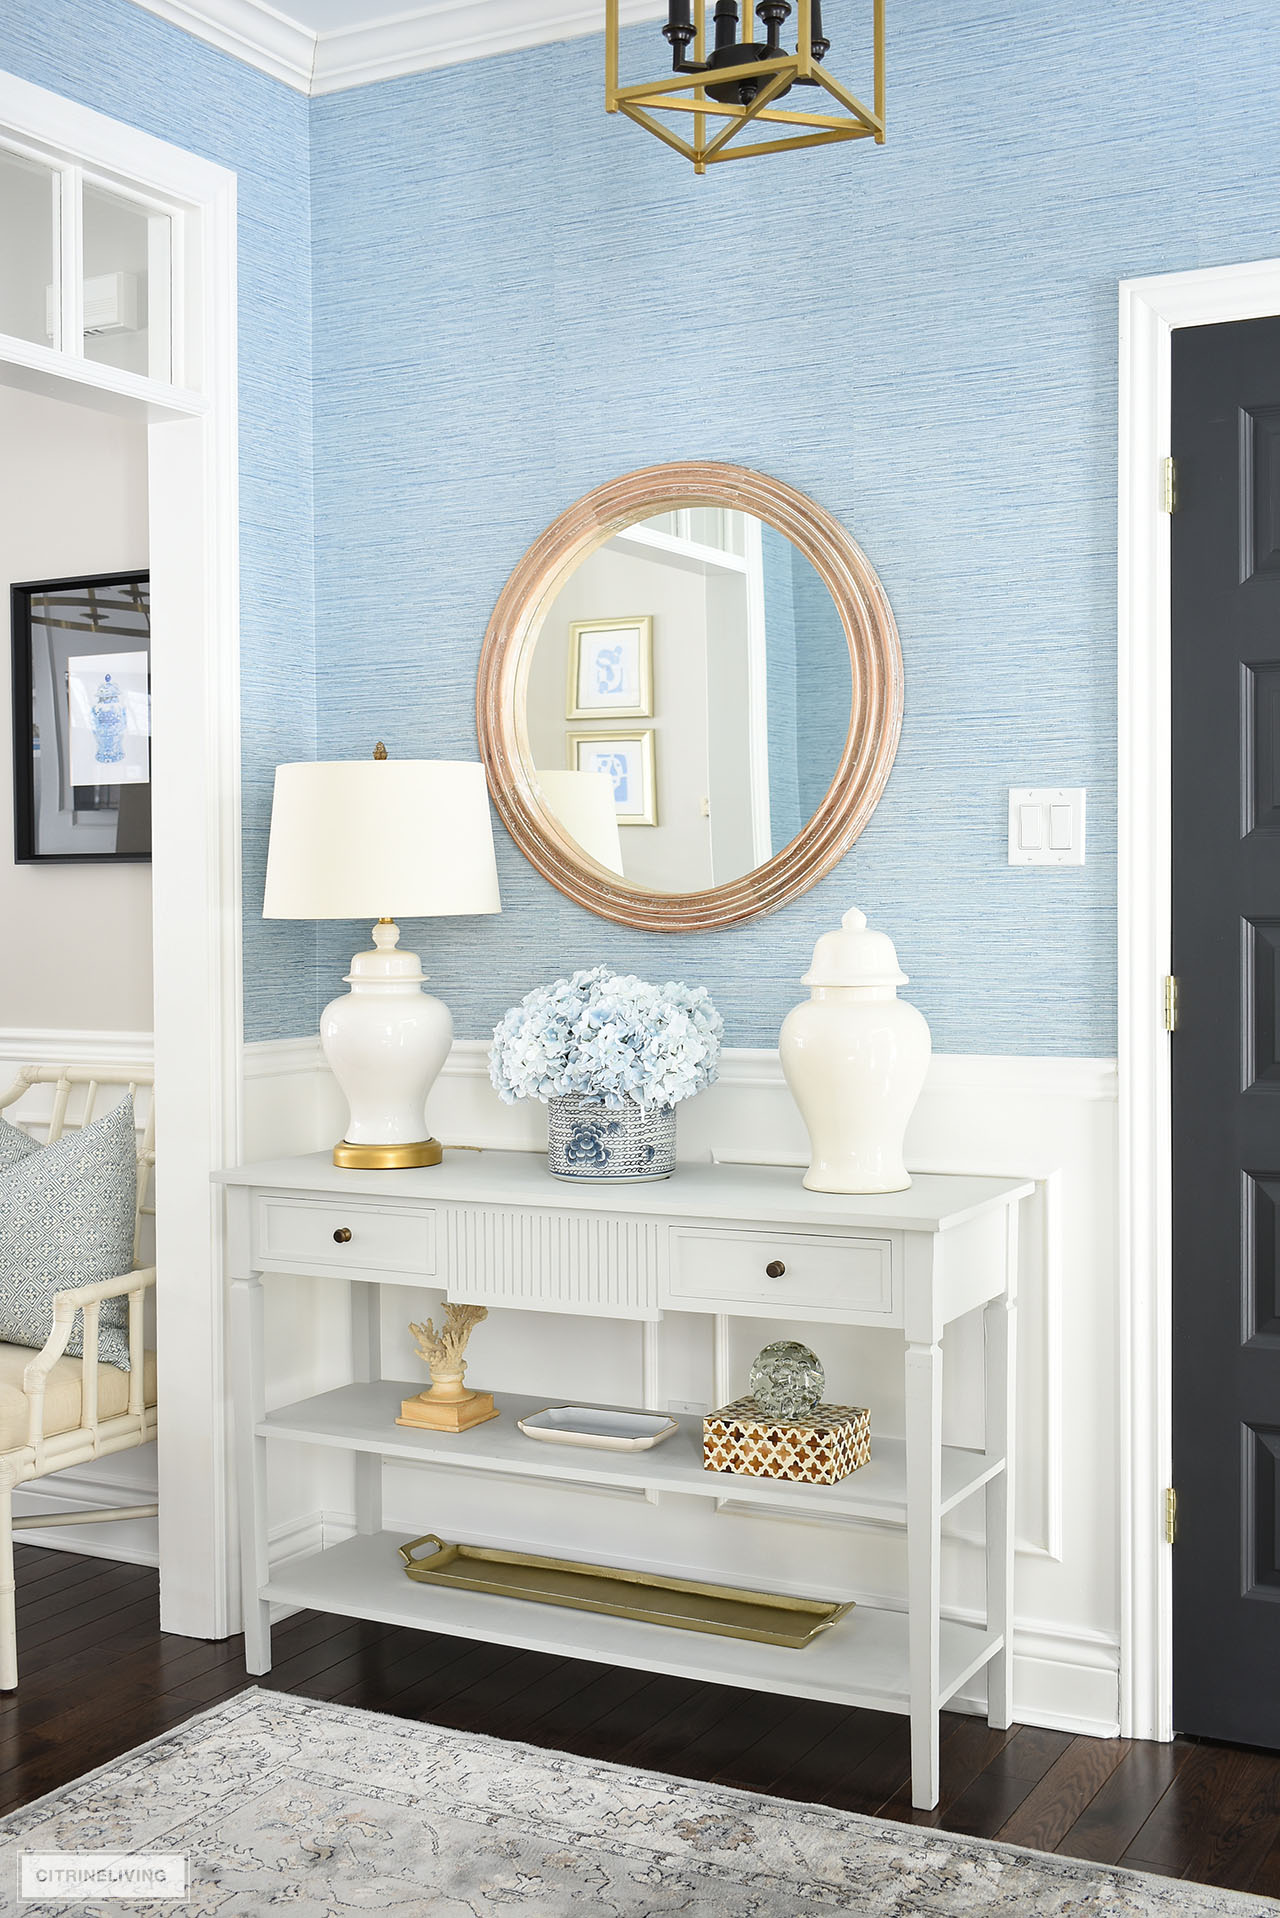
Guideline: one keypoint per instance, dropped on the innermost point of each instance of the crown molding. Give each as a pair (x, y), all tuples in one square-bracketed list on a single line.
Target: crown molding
[(252, 31), (435, 33)]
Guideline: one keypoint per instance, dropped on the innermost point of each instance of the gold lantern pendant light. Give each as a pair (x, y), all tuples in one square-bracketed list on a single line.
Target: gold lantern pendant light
[(720, 94)]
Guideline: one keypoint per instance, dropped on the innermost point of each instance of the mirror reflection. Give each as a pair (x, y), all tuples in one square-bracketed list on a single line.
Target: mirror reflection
[(688, 698)]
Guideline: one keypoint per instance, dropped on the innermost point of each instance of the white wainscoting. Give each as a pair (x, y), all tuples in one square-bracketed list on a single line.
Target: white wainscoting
[(1050, 1119)]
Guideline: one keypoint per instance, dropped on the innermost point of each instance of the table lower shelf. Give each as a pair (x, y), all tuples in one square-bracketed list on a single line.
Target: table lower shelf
[(863, 1660)]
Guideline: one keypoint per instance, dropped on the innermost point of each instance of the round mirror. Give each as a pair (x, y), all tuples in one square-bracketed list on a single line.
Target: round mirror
[(689, 697)]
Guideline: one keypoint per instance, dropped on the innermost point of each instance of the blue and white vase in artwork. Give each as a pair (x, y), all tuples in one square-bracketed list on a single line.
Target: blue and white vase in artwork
[(588, 1140), (109, 723)]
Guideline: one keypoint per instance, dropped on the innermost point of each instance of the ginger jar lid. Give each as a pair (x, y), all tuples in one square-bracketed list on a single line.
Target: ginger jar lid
[(854, 956)]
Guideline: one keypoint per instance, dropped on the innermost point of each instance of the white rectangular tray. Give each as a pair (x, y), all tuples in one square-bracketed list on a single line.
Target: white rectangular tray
[(609, 1430)]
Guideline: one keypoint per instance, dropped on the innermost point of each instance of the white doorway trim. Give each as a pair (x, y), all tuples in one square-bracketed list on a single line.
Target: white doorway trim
[(1149, 311), (194, 544)]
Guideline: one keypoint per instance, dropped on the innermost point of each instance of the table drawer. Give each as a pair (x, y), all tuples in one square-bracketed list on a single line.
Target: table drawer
[(819, 1275), (310, 1233)]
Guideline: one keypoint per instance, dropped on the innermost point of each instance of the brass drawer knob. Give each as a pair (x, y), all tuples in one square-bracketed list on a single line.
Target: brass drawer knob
[(343, 1235), (775, 1269)]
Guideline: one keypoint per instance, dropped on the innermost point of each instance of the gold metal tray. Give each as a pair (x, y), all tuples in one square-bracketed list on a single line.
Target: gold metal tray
[(768, 1617)]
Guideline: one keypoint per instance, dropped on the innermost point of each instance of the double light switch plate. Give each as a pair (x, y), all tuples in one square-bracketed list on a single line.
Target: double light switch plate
[(1046, 825)]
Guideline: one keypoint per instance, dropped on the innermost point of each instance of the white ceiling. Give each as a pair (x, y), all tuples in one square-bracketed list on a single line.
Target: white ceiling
[(322, 46)]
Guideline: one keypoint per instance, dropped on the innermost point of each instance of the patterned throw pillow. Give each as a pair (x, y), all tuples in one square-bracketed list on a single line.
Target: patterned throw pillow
[(15, 1145), (66, 1219)]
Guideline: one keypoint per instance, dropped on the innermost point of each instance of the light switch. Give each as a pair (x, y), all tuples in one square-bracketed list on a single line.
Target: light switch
[(1046, 825)]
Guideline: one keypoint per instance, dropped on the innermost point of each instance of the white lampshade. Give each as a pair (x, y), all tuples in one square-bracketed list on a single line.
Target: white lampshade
[(380, 838), (585, 806)]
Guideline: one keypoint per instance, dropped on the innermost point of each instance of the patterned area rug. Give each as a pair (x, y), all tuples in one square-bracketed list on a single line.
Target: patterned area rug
[(287, 1805)]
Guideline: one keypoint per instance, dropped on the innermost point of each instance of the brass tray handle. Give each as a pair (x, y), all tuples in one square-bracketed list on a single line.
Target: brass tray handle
[(428, 1538)]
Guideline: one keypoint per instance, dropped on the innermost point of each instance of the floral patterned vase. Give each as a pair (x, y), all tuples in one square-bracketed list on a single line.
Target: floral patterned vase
[(109, 719), (590, 1141)]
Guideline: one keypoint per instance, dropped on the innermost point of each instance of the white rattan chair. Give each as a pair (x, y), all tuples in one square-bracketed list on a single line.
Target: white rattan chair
[(57, 1411)]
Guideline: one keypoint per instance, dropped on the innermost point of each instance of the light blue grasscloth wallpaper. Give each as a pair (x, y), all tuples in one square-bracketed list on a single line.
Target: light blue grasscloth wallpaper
[(515, 297), (121, 60)]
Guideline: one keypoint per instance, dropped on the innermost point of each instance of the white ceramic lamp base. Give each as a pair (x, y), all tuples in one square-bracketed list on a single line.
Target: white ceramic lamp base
[(385, 1042)]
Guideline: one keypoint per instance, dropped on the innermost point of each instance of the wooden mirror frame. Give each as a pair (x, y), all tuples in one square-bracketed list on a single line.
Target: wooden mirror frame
[(875, 659)]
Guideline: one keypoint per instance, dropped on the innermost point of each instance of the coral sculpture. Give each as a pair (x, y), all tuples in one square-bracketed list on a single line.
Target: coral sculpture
[(448, 1406), (442, 1351)]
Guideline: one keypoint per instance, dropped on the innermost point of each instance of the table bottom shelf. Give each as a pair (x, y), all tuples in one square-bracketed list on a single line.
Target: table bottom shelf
[(862, 1660)]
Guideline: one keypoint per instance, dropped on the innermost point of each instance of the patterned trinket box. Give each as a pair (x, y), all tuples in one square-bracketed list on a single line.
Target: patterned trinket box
[(821, 1448)]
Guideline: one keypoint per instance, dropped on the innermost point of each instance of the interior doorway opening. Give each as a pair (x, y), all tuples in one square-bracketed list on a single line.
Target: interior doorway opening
[(76, 964), (128, 312)]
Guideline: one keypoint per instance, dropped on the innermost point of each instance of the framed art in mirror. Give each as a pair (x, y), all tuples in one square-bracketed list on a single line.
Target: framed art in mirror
[(610, 669), (766, 668), (82, 718)]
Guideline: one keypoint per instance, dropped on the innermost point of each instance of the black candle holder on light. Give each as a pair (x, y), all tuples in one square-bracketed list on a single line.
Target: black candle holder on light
[(717, 92), (731, 50)]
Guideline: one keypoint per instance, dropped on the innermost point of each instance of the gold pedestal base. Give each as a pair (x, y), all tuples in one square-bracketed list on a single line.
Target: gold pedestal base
[(447, 1415), (373, 1158)]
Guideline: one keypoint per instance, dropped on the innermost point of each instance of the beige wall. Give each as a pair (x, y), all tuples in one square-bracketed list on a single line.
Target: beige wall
[(75, 941)]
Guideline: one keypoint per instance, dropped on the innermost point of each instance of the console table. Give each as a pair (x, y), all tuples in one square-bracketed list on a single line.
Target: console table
[(494, 1229)]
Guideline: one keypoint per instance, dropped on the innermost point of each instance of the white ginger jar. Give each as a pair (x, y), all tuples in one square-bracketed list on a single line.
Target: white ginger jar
[(855, 1058)]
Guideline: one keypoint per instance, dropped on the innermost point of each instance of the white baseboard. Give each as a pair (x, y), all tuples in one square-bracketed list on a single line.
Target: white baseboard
[(298, 1538), (128, 1541)]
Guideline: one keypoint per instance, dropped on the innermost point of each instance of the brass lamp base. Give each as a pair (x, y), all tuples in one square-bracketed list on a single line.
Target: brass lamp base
[(374, 1158), (447, 1415)]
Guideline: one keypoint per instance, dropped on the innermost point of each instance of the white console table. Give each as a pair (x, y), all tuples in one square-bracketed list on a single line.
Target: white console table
[(494, 1229)]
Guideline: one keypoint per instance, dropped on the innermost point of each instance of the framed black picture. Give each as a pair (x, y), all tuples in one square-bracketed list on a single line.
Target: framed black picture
[(82, 718)]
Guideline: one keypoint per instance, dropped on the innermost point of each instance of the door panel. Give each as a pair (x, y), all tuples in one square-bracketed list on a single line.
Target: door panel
[(1226, 1051)]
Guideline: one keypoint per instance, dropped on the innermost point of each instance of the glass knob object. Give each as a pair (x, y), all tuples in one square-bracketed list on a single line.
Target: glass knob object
[(786, 1381), (343, 1235)]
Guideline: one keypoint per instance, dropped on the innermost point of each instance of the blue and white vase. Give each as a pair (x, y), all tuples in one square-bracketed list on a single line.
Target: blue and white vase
[(590, 1141), (110, 719)]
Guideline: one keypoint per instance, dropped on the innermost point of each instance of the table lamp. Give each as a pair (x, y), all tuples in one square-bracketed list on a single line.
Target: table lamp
[(585, 806), (361, 839)]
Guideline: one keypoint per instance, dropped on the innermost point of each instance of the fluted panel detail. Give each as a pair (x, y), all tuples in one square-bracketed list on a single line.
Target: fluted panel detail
[(553, 1261)]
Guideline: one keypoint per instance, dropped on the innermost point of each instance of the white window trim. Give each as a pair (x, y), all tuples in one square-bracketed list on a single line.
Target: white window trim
[(194, 540), (1149, 311)]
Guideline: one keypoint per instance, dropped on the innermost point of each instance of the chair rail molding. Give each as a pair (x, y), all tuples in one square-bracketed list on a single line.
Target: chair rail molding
[(1150, 309), (60, 1046), (410, 39), (194, 537)]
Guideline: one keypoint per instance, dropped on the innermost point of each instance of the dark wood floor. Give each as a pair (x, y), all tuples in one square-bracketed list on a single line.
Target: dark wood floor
[(98, 1676)]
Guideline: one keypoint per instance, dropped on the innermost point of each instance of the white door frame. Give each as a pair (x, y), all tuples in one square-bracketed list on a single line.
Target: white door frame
[(194, 546), (1149, 311)]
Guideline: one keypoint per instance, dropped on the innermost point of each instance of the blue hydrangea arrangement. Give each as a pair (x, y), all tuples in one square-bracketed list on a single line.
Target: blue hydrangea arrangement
[(608, 1038)]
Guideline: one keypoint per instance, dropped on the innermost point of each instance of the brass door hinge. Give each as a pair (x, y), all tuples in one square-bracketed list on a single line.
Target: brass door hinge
[(1168, 485), (1170, 1004), (1170, 1516)]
